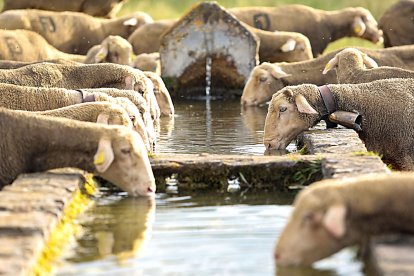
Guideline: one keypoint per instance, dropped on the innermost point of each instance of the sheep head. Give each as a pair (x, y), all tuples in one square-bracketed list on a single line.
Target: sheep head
[(264, 80), (365, 26), (114, 49), (123, 161), (161, 94), (351, 57), (286, 118), (316, 229)]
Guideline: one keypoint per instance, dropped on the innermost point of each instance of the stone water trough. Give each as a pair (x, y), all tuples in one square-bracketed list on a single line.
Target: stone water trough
[(207, 43), (38, 212)]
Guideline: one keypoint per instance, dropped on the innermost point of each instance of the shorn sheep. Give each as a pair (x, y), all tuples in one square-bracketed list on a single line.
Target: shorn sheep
[(274, 46), (280, 46), (397, 24), (72, 32), (113, 49), (321, 27), (380, 103), (35, 143), (105, 8), (148, 62), (162, 95), (335, 213), (267, 78), (28, 46), (354, 66)]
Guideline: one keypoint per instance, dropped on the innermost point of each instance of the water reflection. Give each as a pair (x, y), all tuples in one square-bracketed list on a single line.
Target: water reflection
[(214, 126), (197, 234), (116, 226)]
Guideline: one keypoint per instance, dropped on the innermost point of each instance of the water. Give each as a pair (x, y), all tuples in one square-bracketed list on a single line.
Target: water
[(194, 234), (208, 75), (219, 127)]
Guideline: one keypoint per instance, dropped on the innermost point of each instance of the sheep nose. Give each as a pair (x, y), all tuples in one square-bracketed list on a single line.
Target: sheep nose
[(267, 145), (277, 256)]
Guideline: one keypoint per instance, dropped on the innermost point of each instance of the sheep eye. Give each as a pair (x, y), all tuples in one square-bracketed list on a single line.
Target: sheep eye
[(282, 108), (126, 151), (263, 79)]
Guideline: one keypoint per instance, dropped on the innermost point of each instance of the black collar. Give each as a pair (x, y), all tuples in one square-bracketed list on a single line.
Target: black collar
[(328, 100)]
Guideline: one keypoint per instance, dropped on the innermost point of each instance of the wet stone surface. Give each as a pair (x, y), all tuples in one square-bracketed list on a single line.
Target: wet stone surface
[(30, 209)]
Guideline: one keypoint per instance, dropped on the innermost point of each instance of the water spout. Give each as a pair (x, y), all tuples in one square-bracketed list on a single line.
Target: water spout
[(208, 75)]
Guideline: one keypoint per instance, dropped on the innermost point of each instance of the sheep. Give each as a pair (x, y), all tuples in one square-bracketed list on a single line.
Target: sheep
[(139, 101), (380, 103), (114, 49), (266, 78), (353, 66), (147, 38), (41, 99), (24, 45), (335, 213), (107, 8), (35, 143), (274, 46), (78, 77), (282, 46), (397, 24), (148, 62), (72, 32), (162, 95), (99, 112), (137, 122), (321, 27)]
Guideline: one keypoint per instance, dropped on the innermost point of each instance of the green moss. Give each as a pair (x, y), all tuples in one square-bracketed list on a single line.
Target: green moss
[(66, 228)]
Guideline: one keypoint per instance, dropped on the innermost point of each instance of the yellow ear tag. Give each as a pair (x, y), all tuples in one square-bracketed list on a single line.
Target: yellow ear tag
[(100, 158), (357, 29), (101, 55)]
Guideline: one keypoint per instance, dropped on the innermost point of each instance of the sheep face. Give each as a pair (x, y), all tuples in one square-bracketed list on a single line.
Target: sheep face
[(124, 162), (285, 119), (264, 81), (313, 232), (365, 26)]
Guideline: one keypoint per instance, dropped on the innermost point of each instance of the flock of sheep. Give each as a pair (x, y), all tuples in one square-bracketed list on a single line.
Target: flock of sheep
[(62, 73), (81, 91)]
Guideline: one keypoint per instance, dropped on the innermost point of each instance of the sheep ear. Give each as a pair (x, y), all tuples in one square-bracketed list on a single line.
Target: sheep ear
[(288, 46), (103, 119), (334, 220), (101, 54), (330, 65), (303, 105), (358, 26), (369, 62), (277, 72), (130, 22), (104, 155)]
